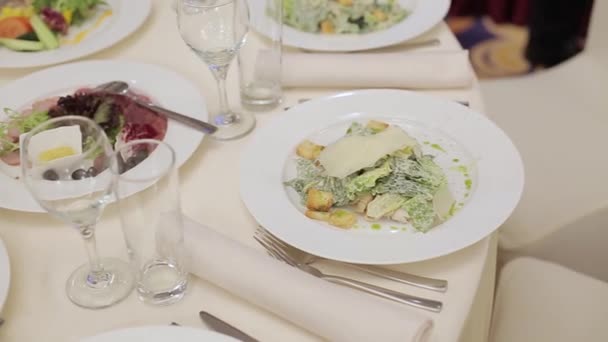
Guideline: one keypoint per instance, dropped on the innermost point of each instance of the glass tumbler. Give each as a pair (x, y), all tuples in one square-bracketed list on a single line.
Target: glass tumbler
[(146, 185), (260, 58)]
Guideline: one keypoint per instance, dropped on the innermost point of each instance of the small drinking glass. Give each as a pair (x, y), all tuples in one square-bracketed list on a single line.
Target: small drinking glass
[(215, 31), (64, 164), (260, 58), (146, 185)]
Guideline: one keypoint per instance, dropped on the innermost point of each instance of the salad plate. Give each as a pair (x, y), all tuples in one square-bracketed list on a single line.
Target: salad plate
[(174, 92), (396, 24), (160, 334), (438, 175), (109, 23)]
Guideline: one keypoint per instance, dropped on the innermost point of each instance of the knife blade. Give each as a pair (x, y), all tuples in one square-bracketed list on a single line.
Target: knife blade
[(224, 328)]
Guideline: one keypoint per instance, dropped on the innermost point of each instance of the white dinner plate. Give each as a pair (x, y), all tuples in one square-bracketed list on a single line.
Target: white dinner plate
[(102, 31), (424, 15), (5, 274), (160, 334), (484, 170), (167, 88)]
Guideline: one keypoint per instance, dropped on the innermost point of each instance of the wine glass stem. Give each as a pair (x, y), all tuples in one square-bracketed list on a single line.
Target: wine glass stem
[(96, 277), (226, 116)]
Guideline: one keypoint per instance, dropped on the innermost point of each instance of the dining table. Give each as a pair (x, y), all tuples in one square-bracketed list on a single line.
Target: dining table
[(43, 251)]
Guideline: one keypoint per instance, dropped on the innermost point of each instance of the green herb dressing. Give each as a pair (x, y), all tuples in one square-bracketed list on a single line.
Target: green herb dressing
[(438, 147)]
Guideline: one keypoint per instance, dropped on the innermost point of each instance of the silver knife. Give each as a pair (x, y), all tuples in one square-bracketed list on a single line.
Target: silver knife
[(224, 328)]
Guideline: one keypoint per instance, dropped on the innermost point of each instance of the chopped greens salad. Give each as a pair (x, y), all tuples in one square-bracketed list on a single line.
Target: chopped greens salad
[(375, 170), (342, 16), (37, 25)]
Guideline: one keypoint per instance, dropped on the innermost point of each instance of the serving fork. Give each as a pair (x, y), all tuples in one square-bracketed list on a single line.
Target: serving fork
[(302, 257), (275, 250)]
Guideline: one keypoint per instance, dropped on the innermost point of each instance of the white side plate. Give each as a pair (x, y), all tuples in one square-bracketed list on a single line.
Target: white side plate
[(160, 334), (167, 88), (127, 16), (424, 15)]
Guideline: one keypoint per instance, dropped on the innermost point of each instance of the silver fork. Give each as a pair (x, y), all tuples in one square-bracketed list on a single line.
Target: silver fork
[(302, 257), (279, 254)]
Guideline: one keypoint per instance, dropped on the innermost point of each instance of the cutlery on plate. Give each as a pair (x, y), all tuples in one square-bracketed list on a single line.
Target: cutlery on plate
[(464, 103), (411, 45), (418, 302), (224, 328), (302, 257), (121, 88)]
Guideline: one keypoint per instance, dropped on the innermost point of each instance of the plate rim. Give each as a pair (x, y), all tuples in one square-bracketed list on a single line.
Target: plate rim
[(131, 23), (334, 46), (5, 265), (196, 333), (90, 65), (312, 247)]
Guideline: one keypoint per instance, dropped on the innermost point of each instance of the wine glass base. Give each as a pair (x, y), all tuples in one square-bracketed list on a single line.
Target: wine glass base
[(111, 290), (243, 124)]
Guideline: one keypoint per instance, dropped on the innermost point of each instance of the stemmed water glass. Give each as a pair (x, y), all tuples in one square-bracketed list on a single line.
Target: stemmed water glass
[(64, 164), (215, 30)]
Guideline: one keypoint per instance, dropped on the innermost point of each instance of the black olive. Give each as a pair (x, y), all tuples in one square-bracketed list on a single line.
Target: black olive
[(79, 174), (91, 172), (50, 174)]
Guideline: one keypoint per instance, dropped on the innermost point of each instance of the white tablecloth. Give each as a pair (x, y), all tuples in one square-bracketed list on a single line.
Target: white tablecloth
[(44, 251)]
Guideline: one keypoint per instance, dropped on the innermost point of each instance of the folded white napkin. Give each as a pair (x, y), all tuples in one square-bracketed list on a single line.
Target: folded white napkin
[(411, 70), (330, 311)]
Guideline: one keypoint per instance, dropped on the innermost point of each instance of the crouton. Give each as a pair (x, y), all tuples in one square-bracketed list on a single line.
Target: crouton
[(380, 15), (346, 2), (377, 126), (342, 218), (309, 150), (319, 200), (317, 215), (362, 202), (327, 27)]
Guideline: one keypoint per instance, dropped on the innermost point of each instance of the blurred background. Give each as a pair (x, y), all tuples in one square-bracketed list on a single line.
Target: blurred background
[(514, 37)]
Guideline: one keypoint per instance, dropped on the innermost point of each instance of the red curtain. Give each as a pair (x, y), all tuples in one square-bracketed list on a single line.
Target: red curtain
[(510, 11)]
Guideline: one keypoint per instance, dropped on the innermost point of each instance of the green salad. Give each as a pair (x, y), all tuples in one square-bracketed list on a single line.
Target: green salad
[(375, 170), (342, 16)]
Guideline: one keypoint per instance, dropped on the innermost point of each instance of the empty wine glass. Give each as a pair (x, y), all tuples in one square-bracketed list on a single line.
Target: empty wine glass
[(64, 164), (215, 31)]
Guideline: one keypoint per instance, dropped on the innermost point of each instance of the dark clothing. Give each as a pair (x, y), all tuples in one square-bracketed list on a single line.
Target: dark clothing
[(555, 30)]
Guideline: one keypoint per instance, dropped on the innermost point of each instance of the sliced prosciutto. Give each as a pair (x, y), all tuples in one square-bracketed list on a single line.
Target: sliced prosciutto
[(11, 158), (121, 118)]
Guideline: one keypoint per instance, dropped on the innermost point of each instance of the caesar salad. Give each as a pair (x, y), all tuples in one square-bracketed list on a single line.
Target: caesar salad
[(376, 170), (342, 16)]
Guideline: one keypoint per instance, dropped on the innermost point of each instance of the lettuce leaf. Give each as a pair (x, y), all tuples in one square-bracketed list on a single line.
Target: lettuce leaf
[(311, 176), (367, 180), (421, 212)]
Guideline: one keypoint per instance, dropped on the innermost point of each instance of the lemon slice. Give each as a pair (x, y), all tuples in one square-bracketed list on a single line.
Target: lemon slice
[(56, 153)]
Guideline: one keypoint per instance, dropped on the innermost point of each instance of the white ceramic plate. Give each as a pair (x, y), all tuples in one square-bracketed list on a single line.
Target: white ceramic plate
[(424, 15), (160, 334), (167, 88), (127, 16), (5, 274), (475, 149)]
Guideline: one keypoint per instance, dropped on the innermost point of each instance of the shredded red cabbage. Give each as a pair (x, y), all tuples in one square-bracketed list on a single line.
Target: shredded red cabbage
[(54, 20)]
